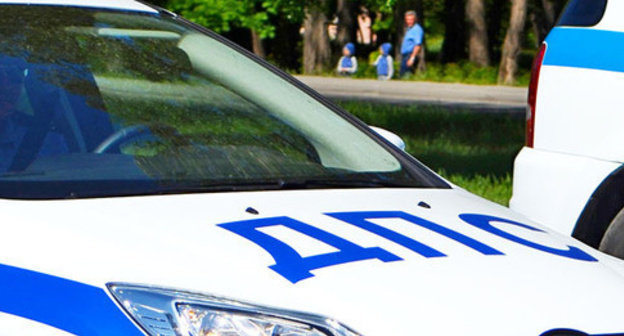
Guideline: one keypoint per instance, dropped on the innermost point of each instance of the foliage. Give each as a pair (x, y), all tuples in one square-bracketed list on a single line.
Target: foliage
[(386, 10), (277, 23), (223, 15), (434, 17), (474, 150), (461, 72)]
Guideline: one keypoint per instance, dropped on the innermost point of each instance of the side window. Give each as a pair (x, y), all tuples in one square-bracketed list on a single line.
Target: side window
[(582, 13)]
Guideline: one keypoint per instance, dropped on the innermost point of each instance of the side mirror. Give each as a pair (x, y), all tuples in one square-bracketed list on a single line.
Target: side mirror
[(391, 137)]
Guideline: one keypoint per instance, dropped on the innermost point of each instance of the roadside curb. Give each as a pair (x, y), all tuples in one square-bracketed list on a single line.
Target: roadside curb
[(477, 98)]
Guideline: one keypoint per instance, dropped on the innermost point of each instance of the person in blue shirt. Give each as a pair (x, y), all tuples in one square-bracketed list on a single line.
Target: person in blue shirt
[(384, 62), (412, 43), (347, 65)]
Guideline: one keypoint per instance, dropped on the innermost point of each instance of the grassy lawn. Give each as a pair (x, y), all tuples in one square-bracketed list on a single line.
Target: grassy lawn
[(473, 150), (461, 72)]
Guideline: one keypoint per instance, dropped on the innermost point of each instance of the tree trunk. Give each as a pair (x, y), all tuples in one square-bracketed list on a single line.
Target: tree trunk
[(454, 45), (478, 40), (316, 49), (421, 66), (285, 48), (542, 17), (347, 24), (496, 34), (512, 44), (257, 44), (550, 13)]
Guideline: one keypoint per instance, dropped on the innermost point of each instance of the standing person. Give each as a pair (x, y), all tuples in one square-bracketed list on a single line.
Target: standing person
[(412, 42), (347, 64), (384, 62), (365, 24)]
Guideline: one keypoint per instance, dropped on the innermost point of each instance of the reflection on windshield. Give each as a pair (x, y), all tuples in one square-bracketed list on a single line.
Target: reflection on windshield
[(109, 103)]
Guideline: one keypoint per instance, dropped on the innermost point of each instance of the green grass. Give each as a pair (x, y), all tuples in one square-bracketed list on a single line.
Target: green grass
[(462, 72), (472, 150)]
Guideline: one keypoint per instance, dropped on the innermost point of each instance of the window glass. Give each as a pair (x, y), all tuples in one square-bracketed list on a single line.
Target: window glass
[(103, 103), (582, 13)]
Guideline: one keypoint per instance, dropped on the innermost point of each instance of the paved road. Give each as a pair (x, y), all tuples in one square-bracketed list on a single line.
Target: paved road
[(474, 97)]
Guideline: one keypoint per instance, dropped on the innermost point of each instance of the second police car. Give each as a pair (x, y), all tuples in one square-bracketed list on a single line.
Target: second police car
[(569, 175), (159, 180)]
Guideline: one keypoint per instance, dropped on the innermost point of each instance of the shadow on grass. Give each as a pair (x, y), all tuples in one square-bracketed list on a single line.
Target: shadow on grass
[(494, 164), (471, 149)]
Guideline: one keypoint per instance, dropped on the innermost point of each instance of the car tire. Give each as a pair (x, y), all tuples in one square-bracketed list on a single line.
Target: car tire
[(613, 240)]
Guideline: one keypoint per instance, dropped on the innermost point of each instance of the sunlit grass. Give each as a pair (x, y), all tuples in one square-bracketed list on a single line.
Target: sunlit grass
[(496, 189), (461, 72)]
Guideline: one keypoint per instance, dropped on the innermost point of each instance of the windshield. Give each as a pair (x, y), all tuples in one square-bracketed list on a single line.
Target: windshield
[(105, 103)]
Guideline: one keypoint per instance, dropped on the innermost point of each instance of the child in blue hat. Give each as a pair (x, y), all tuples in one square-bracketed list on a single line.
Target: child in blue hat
[(384, 62), (347, 65)]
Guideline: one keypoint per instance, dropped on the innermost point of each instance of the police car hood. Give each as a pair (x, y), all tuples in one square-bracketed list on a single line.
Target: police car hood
[(382, 261)]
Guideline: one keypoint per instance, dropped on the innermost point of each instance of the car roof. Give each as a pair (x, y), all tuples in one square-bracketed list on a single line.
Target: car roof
[(109, 4)]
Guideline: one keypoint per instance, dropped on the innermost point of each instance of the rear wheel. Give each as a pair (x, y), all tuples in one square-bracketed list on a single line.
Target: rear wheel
[(613, 240)]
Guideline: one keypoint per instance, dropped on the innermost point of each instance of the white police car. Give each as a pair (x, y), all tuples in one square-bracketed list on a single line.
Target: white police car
[(569, 176), (158, 180)]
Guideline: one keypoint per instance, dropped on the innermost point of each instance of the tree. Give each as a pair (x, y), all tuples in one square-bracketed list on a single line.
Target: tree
[(513, 40), (543, 14), (223, 15), (316, 48), (257, 45), (478, 51), (285, 15), (347, 24), (498, 19), (161, 3), (218, 15), (454, 45), (549, 12)]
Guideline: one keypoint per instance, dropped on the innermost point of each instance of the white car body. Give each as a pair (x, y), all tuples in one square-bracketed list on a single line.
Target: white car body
[(383, 261), (523, 291), (110, 4), (577, 130)]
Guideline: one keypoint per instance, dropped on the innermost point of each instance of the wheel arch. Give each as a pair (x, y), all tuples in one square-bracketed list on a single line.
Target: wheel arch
[(603, 205)]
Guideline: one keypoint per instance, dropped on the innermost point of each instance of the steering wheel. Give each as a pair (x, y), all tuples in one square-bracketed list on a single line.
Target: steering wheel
[(115, 140)]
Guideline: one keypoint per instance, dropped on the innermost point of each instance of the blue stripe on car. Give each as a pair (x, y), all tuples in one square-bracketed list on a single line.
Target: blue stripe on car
[(585, 48), (64, 304)]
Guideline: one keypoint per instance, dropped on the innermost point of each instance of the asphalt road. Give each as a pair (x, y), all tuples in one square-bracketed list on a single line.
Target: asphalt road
[(504, 99)]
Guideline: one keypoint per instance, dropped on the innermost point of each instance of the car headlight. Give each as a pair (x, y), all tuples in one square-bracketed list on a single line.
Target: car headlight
[(165, 312)]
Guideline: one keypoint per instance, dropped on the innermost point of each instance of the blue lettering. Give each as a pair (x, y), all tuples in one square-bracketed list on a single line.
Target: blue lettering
[(484, 222), (361, 219), (290, 264)]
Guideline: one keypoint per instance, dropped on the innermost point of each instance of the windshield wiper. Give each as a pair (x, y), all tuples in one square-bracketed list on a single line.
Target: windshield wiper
[(287, 184), (343, 183)]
